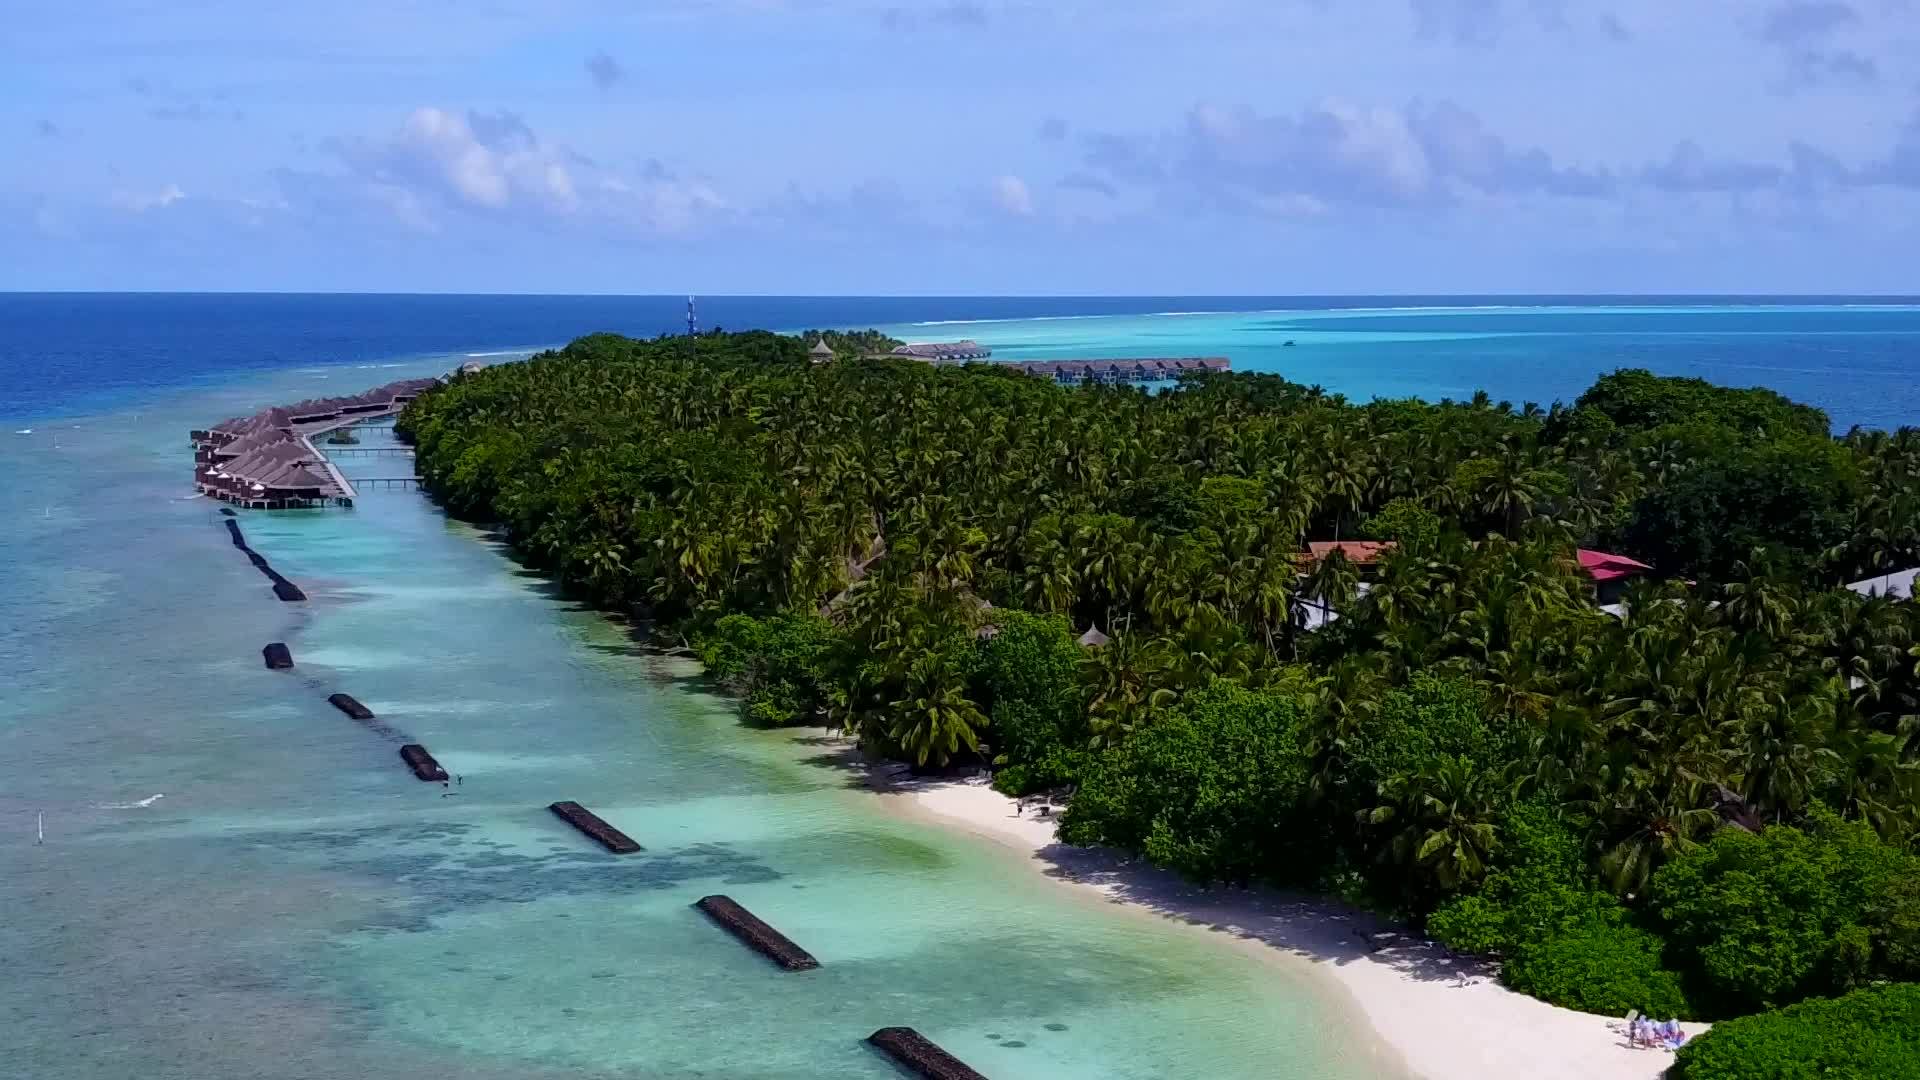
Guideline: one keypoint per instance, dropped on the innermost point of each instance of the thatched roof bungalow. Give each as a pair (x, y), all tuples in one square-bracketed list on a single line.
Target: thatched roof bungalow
[(944, 350), (1150, 369), (251, 443)]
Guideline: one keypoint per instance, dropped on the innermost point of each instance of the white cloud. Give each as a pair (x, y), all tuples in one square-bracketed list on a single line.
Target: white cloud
[(1010, 193), (139, 202), (447, 150), (440, 161), (1333, 154)]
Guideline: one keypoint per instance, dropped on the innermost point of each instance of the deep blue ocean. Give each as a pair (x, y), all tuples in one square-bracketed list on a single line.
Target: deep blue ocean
[(1858, 357)]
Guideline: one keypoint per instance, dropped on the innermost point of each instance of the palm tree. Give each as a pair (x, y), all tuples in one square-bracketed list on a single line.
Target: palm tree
[(1448, 820), (1127, 685), (934, 719)]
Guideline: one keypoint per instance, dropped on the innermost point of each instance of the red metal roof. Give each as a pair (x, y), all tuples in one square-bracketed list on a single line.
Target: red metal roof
[(1604, 566), (1356, 551)]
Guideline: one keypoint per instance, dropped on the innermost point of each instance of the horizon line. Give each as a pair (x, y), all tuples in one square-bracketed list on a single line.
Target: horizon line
[(1879, 296)]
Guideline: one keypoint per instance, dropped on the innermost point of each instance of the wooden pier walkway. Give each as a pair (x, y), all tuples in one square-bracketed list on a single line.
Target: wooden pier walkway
[(333, 471)]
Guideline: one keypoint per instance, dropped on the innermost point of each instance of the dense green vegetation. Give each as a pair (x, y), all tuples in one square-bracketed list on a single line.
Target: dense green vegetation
[(1703, 808), (852, 344), (1871, 1034)]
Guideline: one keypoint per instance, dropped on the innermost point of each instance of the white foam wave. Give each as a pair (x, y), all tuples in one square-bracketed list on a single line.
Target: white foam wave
[(138, 804), (1015, 319)]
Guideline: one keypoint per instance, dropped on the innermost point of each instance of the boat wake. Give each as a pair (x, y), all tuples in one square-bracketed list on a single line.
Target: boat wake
[(139, 804)]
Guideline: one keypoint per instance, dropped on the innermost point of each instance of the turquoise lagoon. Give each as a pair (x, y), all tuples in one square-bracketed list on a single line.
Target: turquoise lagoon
[(1859, 360), (294, 903)]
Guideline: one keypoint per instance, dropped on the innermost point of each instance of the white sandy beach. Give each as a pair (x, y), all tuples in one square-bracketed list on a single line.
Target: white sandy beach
[(1445, 1017)]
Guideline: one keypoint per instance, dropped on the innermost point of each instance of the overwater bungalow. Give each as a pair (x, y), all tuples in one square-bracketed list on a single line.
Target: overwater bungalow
[(268, 460), (944, 350), (1151, 369)]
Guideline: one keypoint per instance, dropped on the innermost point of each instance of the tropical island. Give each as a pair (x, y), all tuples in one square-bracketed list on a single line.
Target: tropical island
[(1580, 688)]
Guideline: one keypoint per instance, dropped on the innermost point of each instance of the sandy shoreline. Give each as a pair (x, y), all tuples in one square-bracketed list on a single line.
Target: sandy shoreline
[(1446, 1018)]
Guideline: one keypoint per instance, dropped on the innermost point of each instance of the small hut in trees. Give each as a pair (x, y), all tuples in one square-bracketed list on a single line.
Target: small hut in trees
[(821, 352)]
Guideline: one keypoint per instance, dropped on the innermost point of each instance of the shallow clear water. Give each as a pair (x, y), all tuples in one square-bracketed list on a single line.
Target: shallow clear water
[(296, 904)]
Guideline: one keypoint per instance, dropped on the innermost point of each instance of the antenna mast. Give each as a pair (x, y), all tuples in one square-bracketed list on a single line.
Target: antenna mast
[(693, 321)]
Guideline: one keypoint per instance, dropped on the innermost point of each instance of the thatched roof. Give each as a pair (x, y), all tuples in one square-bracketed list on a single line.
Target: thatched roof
[(1093, 638), (253, 441), (266, 419), (297, 477)]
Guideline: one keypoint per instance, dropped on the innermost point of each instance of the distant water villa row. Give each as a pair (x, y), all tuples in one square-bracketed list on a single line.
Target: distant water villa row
[(267, 461), (1064, 372), (1158, 369)]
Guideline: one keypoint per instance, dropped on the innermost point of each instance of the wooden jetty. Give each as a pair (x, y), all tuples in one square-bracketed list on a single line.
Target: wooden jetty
[(346, 703), (422, 763), (277, 656), (918, 1054), (593, 825), (762, 938)]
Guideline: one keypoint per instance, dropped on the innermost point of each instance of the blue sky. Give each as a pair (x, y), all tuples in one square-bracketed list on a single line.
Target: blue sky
[(963, 146)]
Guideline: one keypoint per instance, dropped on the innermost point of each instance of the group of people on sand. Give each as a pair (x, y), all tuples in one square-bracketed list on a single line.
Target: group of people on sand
[(1664, 1034)]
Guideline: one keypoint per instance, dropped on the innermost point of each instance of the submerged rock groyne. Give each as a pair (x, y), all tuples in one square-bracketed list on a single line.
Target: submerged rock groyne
[(346, 703), (282, 588), (762, 938), (591, 823), (422, 763), (918, 1054)]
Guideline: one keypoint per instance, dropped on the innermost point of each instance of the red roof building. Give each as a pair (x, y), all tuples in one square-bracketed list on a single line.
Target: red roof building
[(1358, 552), (1610, 572)]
